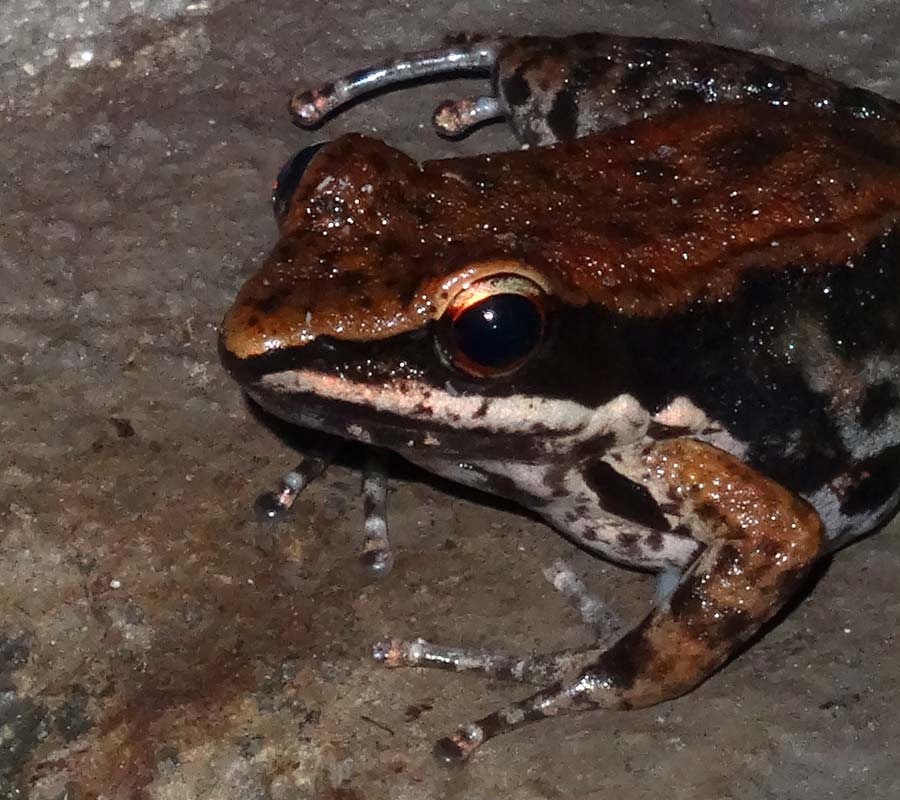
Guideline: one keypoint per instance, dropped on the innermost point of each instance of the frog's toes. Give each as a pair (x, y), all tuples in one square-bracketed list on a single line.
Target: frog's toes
[(378, 562), (309, 108), (273, 506), (458, 117), (270, 507), (397, 652), (457, 748)]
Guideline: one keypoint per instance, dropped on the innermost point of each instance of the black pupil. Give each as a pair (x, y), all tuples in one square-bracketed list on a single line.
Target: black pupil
[(498, 331), (289, 177)]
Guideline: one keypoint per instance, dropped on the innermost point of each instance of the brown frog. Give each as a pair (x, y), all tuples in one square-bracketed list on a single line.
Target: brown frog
[(670, 326)]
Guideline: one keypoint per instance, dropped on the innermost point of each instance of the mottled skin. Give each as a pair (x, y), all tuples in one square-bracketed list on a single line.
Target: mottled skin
[(716, 392), (559, 89), (553, 89)]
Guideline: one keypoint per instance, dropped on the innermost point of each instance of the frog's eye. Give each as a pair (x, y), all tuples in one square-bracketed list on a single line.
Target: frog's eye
[(288, 179), (493, 326)]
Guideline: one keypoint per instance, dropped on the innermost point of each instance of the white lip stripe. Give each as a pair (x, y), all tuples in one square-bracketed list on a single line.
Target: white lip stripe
[(570, 422)]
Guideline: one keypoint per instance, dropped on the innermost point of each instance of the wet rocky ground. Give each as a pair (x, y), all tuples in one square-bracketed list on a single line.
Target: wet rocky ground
[(156, 642)]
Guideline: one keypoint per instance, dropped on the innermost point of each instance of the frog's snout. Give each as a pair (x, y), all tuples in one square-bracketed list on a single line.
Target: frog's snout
[(285, 186)]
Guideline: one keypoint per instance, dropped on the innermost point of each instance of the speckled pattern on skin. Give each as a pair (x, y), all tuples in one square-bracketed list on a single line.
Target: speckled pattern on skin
[(585, 217)]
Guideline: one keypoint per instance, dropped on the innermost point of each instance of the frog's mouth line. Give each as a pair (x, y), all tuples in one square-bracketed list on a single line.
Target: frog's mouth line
[(404, 406)]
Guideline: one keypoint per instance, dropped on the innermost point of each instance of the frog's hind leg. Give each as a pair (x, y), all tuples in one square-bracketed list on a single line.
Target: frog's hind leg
[(539, 669), (760, 541), (458, 117), (592, 610), (310, 107)]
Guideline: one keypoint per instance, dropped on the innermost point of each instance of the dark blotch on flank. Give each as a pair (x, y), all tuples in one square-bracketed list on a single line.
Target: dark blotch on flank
[(272, 303), (748, 151), (516, 89), (591, 72), (555, 480), (656, 171), (644, 65), (635, 78), (691, 606), (876, 479), (654, 541), (868, 142), (879, 401), (768, 83), (855, 101), (625, 662), (862, 314), (692, 93), (623, 497), (563, 116)]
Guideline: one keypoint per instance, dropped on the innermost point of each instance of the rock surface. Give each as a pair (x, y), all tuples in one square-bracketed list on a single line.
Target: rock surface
[(156, 642)]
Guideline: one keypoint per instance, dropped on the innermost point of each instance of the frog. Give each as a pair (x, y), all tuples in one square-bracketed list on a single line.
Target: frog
[(667, 324)]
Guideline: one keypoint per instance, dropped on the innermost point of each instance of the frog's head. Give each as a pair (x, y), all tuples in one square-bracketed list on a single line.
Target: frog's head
[(398, 308), (503, 306)]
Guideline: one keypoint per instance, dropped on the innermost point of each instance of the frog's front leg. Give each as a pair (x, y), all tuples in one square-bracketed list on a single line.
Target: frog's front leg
[(377, 555), (759, 543), (274, 505)]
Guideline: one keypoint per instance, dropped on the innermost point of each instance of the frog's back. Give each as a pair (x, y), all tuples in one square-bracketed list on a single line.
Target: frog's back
[(748, 262), (766, 291), (675, 209)]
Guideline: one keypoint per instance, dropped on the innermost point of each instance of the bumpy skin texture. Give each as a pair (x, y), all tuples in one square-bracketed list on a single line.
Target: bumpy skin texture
[(718, 388), (642, 221)]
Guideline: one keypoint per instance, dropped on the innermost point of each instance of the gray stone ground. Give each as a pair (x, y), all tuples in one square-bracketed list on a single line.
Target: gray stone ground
[(154, 642)]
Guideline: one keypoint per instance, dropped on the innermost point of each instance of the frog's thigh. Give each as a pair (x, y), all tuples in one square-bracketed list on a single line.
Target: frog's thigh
[(630, 543), (618, 518), (760, 543)]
